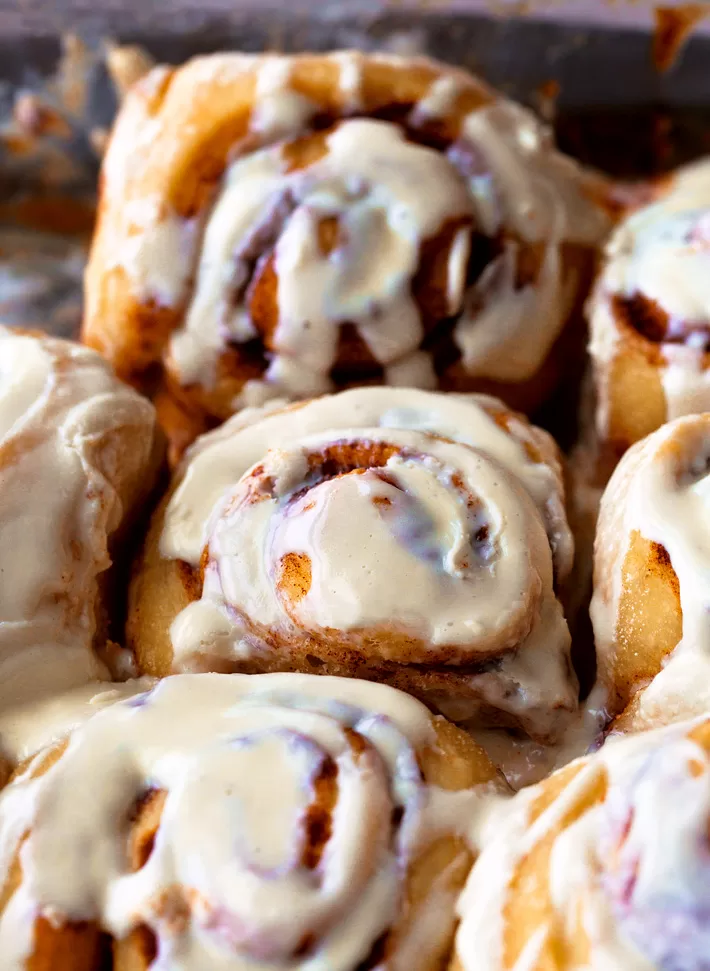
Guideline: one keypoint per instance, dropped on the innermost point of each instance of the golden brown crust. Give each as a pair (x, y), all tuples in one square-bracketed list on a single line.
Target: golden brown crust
[(465, 679), (171, 145), (643, 568), (451, 762), (200, 115), (529, 904), (637, 322), (637, 403), (160, 588), (650, 619)]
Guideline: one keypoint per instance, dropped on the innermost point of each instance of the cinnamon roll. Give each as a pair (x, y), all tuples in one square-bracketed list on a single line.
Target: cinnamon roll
[(403, 536), (652, 578), (288, 225), (270, 822), (650, 312), (79, 452), (605, 866)]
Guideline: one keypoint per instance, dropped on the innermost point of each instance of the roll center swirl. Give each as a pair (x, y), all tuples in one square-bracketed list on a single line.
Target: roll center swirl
[(400, 530)]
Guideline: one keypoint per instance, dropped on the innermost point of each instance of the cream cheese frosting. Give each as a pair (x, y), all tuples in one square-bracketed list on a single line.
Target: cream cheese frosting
[(390, 196), (27, 728), (449, 527), (59, 406), (661, 252), (243, 763), (661, 489), (604, 866)]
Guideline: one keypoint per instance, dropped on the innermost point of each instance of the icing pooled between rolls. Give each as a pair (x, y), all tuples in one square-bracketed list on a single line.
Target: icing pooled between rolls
[(660, 255), (59, 403), (292, 810), (603, 867), (437, 518), (388, 197)]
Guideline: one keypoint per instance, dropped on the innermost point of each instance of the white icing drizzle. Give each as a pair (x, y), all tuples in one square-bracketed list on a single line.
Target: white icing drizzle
[(157, 252), (415, 371), (238, 758), (439, 99), (686, 380), (661, 252), (59, 405), (351, 64), (541, 194), (661, 489), (247, 495), (27, 728), (626, 880), (513, 329), (278, 111), (505, 332), (389, 196)]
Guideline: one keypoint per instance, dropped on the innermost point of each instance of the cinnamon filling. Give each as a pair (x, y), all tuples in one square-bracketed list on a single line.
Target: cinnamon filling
[(655, 325), (145, 820), (256, 281), (77, 944), (319, 817)]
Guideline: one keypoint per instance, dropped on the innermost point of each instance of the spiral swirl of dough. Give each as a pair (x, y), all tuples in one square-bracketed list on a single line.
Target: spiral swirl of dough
[(241, 822), (288, 225), (605, 865), (380, 530)]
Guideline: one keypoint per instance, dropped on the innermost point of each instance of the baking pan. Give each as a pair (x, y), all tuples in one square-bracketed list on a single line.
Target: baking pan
[(588, 66)]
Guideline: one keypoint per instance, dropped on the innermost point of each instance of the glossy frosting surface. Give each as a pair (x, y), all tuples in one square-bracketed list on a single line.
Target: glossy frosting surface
[(439, 518), (389, 197), (604, 866), (293, 810), (59, 406), (660, 255)]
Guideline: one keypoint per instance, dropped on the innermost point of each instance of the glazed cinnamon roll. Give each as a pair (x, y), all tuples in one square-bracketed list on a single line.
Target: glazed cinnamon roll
[(287, 226), (605, 865), (278, 822), (650, 312), (398, 535), (79, 452), (652, 580)]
